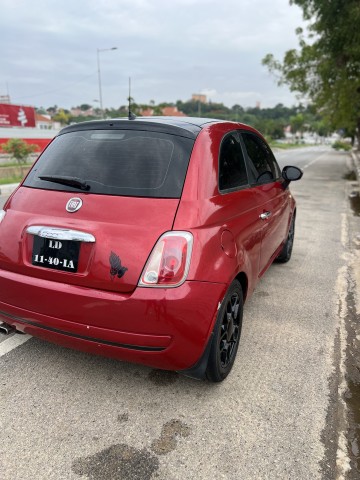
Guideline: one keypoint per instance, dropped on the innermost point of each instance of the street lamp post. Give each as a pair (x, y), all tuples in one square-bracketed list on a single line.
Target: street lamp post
[(98, 51)]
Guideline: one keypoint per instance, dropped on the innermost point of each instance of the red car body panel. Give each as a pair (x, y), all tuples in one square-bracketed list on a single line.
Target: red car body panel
[(204, 210), (162, 327), (116, 223), (151, 326), (273, 198)]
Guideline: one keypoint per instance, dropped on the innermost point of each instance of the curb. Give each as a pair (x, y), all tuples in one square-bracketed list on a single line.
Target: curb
[(356, 159), (6, 190)]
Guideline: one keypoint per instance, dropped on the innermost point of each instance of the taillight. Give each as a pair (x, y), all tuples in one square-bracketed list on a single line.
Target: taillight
[(169, 262), (2, 215)]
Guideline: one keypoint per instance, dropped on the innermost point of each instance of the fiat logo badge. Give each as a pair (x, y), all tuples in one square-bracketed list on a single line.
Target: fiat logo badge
[(73, 204)]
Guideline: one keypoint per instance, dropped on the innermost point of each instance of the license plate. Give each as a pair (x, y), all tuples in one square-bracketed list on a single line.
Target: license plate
[(56, 254)]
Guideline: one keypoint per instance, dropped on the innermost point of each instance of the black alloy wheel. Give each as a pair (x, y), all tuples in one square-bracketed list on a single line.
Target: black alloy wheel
[(227, 333), (285, 254)]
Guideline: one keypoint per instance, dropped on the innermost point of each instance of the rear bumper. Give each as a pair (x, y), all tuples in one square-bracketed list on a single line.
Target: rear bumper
[(162, 328)]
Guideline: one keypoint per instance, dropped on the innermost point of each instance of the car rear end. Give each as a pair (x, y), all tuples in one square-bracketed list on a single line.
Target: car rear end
[(88, 257)]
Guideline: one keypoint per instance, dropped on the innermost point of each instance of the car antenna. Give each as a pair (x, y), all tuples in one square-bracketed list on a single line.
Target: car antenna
[(132, 116)]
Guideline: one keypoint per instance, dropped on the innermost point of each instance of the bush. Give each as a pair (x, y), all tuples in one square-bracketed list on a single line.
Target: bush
[(339, 145), (18, 149)]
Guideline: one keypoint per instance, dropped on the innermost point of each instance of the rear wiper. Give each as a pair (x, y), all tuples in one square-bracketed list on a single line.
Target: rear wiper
[(63, 180)]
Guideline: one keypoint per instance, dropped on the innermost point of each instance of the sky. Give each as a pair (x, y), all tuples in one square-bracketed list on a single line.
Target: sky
[(170, 49)]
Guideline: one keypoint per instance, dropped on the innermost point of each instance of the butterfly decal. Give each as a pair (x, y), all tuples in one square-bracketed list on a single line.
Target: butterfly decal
[(116, 269)]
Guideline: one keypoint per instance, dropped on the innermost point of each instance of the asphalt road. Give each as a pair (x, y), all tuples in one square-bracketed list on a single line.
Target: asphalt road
[(68, 415)]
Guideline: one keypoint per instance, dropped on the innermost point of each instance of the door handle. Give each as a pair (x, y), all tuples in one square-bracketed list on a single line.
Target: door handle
[(265, 215)]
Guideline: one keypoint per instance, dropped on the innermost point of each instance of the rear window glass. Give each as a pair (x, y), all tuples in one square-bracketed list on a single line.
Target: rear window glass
[(119, 162)]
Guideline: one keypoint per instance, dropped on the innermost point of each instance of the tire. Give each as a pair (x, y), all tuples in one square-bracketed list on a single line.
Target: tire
[(285, 254), (227, 332)]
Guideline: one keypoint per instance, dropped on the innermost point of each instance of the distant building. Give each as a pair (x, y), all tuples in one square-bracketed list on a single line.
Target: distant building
[(5, 99), (148, 112), (23, 122), (44, 122), (172, 112), (77, 112), (199, 97), (166, 111)]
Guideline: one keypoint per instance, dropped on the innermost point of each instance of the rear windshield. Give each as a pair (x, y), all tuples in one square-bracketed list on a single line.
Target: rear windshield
[(118, 162)]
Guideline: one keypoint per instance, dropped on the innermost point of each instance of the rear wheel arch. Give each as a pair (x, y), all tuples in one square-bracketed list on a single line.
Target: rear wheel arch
[(242, 278), (226, 334), (199, 369)]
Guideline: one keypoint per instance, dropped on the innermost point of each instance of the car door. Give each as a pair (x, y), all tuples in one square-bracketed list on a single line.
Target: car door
[(272, 198), (239, 205)]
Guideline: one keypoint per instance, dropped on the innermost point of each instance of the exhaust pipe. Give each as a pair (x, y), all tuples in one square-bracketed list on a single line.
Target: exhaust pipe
[(6, 329)]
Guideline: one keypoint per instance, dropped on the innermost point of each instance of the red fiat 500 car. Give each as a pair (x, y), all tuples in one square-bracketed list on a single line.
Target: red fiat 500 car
[(141, 239)]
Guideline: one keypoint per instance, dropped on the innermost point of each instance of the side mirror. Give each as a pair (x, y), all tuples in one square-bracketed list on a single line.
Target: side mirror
[(290, 174)]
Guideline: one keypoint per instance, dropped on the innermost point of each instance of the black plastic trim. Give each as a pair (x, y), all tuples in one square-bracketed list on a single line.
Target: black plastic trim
[(182, 129), (83, 337), (198, 371)]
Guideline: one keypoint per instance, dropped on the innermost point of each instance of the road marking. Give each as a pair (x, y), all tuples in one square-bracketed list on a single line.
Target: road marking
[(14, 341), (315, 160)]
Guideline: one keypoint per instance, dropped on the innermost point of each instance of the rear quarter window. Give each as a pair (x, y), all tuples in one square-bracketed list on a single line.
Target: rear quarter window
[(121, 162)]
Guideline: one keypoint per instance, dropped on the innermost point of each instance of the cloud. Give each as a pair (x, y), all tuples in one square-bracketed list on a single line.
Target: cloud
[(171, 49)]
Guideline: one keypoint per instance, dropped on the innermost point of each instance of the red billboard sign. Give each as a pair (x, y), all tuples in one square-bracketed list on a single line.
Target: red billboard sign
[(16, 116)]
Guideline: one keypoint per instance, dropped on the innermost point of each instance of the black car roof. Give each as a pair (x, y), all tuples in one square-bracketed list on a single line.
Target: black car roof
[(188, 127)]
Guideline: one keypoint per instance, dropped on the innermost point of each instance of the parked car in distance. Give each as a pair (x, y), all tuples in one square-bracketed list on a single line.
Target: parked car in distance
[(140, 239)]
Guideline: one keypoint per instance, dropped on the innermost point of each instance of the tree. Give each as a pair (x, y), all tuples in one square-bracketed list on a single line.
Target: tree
[(326, 68), (41, 111), (52, 110), (84, 107), (62, 117), (297, 123), (18, 149)]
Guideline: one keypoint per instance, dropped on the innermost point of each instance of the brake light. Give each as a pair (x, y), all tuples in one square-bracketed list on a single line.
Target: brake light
[(2, 215), (169, 262)]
